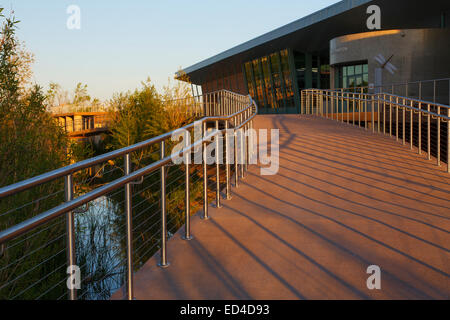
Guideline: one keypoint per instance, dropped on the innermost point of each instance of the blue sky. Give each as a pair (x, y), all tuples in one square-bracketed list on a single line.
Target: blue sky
[(121, 43)]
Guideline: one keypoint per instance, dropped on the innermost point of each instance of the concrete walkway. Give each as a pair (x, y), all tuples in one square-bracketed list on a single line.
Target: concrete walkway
[(344, 199)]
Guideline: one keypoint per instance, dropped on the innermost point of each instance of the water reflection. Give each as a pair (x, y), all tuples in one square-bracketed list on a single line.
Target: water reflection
[(100, 253)]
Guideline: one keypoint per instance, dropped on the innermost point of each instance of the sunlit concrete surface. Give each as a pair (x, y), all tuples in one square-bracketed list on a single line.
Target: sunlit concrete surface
[(344, 199)]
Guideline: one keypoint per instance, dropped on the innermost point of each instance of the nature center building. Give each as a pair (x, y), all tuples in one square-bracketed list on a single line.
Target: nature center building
[(352, 43)]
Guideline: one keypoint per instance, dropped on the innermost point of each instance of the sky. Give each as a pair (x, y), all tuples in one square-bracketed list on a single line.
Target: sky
[(121, 43)]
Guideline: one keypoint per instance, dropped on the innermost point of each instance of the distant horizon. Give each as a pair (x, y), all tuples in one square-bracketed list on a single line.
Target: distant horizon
[(121, 44)]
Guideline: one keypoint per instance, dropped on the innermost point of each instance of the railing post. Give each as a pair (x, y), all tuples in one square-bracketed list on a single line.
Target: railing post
[(429, 133), (311, 103), (307, 102), (317, 102), (348, 107), (379, 113), (219, 104), (70, 232), (227, 161), (332, 105), (236, 156), (419, 143), (322, 102), (411, 127), (448, 141), (365, 103), (250, 143), (208, 104), (163, 262), (396, 118), (439, 137), (390, 116), (187, 161), (246, 145), (373, 112), (129, 223), (384, 114), (404, 122), (217, 167), (205, 177), (246, 138), (222, 105), (359, 110), (242, 149)]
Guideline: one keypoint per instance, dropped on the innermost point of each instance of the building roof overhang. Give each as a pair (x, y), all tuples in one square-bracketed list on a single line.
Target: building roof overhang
[(314, 32)]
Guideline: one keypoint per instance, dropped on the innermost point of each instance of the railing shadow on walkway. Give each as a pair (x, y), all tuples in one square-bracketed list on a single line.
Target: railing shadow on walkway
[(311, 231)]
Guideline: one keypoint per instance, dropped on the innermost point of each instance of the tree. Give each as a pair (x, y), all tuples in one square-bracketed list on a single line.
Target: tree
[(30, 140), (177, 105), (134, 113), (56, 96), (31, 143), (80, 96)]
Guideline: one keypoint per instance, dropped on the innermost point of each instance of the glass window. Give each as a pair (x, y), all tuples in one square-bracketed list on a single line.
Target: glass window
[(359, 81), (248, 75), (287, 78), (300, 61), (258, 82), (270, 81), (325, 76), (351, 82), (276, 78), (267, 82), (365, 80), (350, 70), (353, 76)]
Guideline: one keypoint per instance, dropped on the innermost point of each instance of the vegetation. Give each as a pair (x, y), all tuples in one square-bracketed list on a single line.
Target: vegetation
[(30, 143), (59, 100)]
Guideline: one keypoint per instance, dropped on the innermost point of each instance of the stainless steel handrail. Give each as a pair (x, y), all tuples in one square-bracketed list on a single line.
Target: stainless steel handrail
[(42, 218), (397, 84), (331, 103), (243, 120), (415, 100), (61, 172)]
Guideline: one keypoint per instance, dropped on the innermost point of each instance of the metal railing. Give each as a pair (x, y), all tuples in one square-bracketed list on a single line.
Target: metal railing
[(224, 113), (435, 90), (405, 118)]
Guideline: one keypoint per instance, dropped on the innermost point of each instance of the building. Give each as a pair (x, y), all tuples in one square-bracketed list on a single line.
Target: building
[(352, 43)]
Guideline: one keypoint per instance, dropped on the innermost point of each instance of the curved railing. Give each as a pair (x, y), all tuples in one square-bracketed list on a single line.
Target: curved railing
[(403, 117), (224, 113)]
